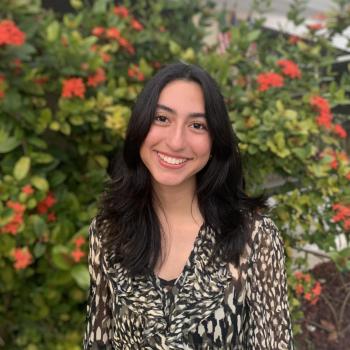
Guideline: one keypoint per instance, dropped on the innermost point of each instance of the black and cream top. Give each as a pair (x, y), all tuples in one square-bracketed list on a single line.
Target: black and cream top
[(211, 305)]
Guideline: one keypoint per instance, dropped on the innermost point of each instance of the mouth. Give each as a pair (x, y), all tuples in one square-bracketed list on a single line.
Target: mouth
[(171, 160)]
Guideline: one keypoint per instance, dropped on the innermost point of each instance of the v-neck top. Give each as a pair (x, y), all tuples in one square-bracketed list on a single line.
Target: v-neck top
[(211, 305)]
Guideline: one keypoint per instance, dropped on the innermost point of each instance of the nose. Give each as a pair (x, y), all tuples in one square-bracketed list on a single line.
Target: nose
[(176, 137)]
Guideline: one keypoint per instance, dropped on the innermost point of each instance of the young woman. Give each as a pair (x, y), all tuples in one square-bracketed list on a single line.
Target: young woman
[(180, 257)]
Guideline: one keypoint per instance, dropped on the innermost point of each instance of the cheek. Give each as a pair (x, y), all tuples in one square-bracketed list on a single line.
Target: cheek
[(203, 147)]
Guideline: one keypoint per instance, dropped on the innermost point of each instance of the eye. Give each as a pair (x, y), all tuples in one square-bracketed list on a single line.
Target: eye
[(160, 119), (199, 126)]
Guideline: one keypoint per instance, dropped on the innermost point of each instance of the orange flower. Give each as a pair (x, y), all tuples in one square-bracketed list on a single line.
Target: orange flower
[(10, 34), (298, 275), (97, 78), (98, 31), (317, 289), (338, 129), (308, 296), (44, 205), (269, 80), (27, 189), (105, 57), (322, 106), (293, 39), (127, 45), (17, 207), (113, 33), (134, 72), (299, 289), (22, 257), (348, 175), (315, 26), (121, 11), (77, 255), (314, 301), (290, 68), (136, 24), (307, 277), (79, 241), (73, 87)]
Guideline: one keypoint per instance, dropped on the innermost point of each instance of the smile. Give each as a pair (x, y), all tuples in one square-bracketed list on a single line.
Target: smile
[(171, 160)]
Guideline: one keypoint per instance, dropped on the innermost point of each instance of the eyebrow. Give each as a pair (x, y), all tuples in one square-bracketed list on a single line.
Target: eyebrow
[(170, 110)]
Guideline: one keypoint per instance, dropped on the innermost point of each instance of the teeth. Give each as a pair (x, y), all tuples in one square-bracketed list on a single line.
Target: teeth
[(171, 160)]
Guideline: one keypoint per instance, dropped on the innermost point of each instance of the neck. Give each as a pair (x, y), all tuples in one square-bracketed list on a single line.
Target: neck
[(177, 202)]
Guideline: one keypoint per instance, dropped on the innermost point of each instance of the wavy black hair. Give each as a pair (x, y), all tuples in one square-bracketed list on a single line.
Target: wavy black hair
[(130, 226)]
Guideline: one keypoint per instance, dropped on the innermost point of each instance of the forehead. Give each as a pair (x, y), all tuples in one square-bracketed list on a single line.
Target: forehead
[(183, 94)]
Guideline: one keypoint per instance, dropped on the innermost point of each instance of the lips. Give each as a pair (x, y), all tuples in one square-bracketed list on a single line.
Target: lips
[(170, 160)]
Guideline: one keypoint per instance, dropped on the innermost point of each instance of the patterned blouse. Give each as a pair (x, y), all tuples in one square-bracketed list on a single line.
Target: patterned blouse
[(211, 305)]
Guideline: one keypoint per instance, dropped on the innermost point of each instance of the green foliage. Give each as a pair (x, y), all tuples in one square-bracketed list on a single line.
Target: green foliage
[(65, 98)]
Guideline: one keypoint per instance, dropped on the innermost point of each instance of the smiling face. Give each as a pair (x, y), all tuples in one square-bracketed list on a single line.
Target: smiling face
[(178, 143)]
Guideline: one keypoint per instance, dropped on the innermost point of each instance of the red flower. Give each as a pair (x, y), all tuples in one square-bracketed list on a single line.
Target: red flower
[(290, 68), (18, 208), (113, 33), (136, 24), (348, 175), (338, 129), (44, 205), (98, 31), (121, 11), (322, 106), (28, 189), (73, 87), (97, 78), (134, 72), (317, 289), (22, 257), (105, 57), (315, 26), (77, 254), (269, 80), (293, 39), (307, 277), (79, 241), (127, 45), (51, 217), (10, 34), (299, 289), (308, 296)]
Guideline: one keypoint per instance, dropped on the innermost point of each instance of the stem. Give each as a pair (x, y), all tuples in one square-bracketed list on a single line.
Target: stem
[(334, 313), (319, 254)]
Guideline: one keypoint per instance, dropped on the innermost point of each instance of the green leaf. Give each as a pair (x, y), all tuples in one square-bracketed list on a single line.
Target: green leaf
[(52, 31), (60, 257), (253, 35), (100, 6), (7, 142), (40, 183), (80, 274), (39, 225), (39, 250), (21, 168)]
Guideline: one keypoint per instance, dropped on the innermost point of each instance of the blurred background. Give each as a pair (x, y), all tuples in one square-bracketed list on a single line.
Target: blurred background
[(69, 74)]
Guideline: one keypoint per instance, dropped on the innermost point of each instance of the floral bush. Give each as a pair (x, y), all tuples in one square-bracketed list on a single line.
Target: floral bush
[(283, 95), (66, 87), (67, 84)]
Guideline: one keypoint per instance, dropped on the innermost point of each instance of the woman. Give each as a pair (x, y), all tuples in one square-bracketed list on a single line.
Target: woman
[(179, 257)]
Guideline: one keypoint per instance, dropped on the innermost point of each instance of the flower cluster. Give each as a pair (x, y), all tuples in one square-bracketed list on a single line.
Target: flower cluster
[(308, 288), (44, 206), (114, 33), (325, 116), (269, 80), (22, 257), (290, 69), (98, 78), (77, 254), (134, 72), (123, 12), (342, 214), (17, 218), (73, 87), (10, 34)]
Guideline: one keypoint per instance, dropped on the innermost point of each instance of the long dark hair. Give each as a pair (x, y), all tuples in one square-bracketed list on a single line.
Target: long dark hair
[(127, 220)]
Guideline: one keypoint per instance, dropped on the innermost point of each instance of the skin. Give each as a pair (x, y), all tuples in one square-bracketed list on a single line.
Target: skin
[(180, 131)]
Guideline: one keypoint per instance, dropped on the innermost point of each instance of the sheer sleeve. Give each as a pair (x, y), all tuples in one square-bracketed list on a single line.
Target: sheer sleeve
[(268, 324), (99, 328)]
